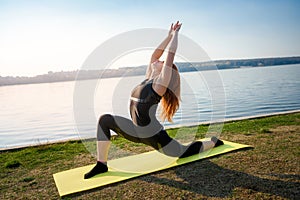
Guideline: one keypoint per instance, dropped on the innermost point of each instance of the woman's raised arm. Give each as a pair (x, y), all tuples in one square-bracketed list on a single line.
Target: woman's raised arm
[(162, 82), (159, 51)]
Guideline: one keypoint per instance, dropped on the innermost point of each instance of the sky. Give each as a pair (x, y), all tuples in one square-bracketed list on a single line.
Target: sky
[(37, 36)]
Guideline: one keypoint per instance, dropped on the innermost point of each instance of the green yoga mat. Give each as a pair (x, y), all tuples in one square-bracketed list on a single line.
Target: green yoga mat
[(72, 181)]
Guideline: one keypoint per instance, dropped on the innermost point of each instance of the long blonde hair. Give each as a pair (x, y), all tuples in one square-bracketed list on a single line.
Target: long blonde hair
[(171, 98)]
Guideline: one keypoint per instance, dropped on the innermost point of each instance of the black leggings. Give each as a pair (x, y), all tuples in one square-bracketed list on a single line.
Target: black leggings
[(159, 139)]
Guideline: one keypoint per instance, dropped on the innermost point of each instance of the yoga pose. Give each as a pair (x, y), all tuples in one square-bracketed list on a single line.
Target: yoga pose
[(162, 84)]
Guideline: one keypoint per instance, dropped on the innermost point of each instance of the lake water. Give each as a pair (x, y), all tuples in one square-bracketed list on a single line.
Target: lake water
[(40, 113)]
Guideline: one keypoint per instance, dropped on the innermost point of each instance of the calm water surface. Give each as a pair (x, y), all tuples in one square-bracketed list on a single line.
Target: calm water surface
[(39, 113)]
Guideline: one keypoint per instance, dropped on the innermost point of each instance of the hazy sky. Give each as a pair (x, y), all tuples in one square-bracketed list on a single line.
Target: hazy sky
[(41, 36)]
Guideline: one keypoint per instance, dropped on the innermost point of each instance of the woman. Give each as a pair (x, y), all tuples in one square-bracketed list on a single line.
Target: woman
[(162, 84)]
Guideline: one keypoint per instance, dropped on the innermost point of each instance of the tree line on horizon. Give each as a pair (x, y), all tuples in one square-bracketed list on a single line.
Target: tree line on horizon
[(140, 70)]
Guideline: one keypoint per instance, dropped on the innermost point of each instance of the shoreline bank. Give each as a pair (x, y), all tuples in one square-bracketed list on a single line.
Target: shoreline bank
[(170, 127)]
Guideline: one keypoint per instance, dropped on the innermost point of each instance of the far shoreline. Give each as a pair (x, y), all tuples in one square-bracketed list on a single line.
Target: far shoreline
[(81, 74)]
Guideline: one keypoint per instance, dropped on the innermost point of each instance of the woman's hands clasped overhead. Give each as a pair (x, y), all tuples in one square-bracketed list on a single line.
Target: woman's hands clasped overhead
[(175, 27)]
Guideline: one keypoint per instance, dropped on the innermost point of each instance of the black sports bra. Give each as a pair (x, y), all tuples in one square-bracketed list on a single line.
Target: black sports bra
[(143, 103)]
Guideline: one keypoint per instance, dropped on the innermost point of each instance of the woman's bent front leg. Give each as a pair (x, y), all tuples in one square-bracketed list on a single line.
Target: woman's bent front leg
[(106, 123)]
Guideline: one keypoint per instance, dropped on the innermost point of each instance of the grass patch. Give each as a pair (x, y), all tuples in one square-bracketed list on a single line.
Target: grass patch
[(252, 126), (12, 164), (28, 179), (269, 171)]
